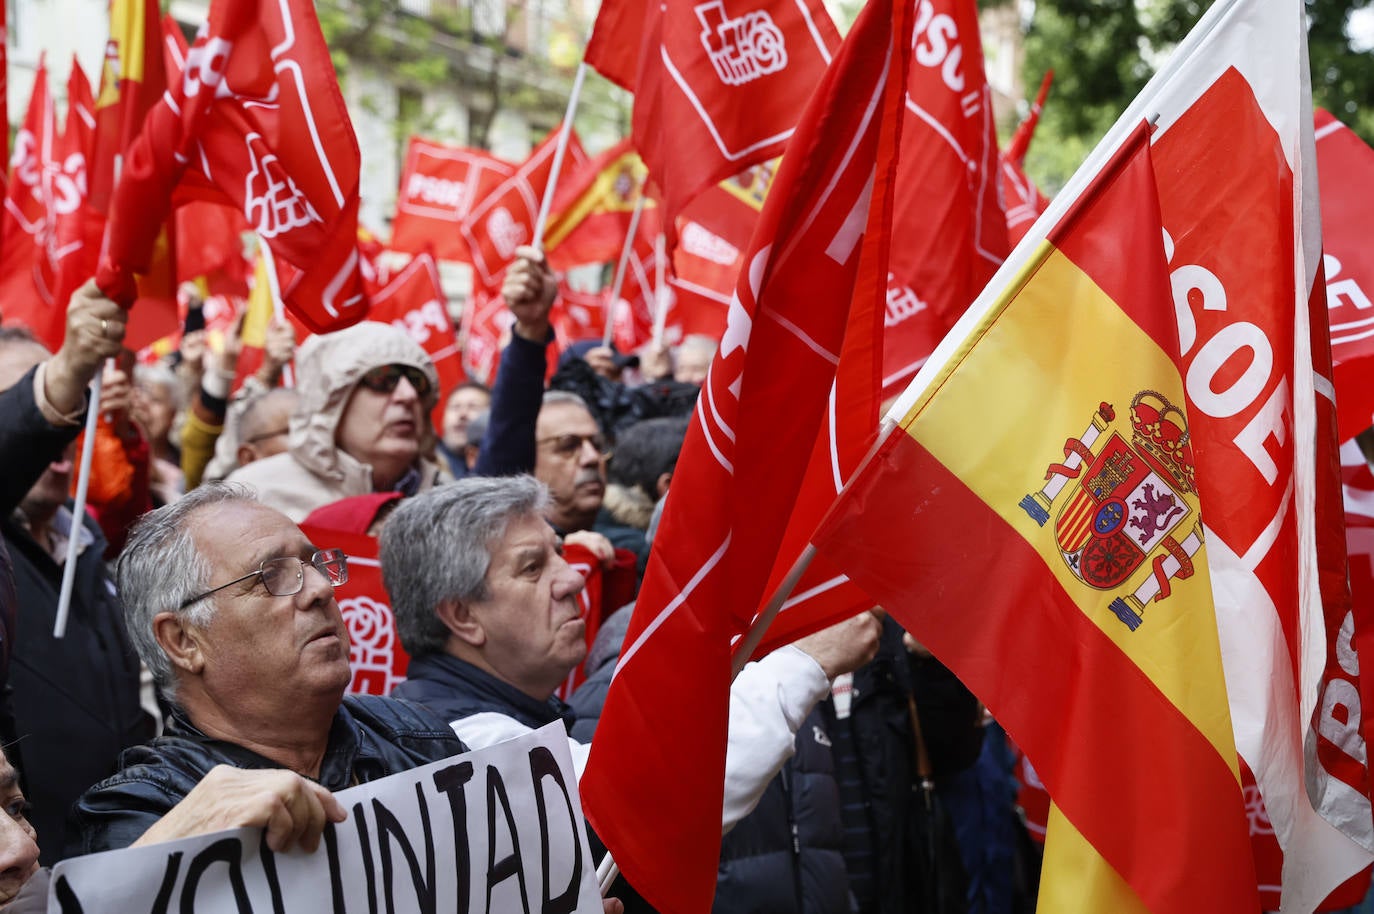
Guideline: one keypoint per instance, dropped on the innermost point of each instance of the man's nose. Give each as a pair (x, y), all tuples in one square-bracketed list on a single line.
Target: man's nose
[(18, 849), (568, 581)]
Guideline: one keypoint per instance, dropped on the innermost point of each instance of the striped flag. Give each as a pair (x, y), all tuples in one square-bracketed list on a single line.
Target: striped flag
[(1234, 168), (1057, 541)]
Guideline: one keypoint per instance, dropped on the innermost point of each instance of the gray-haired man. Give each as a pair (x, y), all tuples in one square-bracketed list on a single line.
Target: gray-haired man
[(485, 606)]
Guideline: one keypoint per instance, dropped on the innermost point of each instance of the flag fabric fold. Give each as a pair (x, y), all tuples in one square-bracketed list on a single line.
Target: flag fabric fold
[(820, 244)]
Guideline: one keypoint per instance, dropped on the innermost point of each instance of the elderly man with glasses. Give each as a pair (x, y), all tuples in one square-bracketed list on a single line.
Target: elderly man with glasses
[(359, 425), (233, 611)]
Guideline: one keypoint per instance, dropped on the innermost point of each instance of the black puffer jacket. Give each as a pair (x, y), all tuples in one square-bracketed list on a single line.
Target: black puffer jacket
[(370, 738), (786, 856)]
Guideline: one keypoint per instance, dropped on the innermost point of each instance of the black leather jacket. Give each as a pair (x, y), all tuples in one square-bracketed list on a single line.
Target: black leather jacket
[(371, 738)]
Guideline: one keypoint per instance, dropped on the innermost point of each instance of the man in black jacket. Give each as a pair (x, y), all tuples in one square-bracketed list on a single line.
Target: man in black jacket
[(75, 699), (233, 611)]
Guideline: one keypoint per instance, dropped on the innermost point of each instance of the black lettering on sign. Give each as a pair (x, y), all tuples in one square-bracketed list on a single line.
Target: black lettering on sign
[(229, 852), (499, 871), (269, 869), (450, 782), (331, 850), (389, 830), (360, 822), (543, 765)]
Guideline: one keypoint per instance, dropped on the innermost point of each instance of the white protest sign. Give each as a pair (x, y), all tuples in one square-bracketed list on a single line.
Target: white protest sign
[(499, 830)]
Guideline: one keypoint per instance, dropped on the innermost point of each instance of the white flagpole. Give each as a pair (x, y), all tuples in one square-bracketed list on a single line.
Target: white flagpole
[(619, 280), (83, 481), (660, 290), (559, 150)]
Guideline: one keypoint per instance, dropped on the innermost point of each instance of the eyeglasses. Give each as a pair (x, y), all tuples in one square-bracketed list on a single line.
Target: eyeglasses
[(571, 445), (285, 576), (384, 378)]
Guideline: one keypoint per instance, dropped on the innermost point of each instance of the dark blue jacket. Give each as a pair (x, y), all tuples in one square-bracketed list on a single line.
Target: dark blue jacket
[(508, 445), (455, 689), (370, 738)]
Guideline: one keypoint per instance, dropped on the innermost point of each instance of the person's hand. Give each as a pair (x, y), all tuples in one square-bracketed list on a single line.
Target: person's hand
[(602, 361), (226, 361), (95, 332), (914, 647), (655, 362), (612, 906), (529, 290), (280, 346), (193, 348), (294, 811), (116, 395), (595, 543), (844, 646)]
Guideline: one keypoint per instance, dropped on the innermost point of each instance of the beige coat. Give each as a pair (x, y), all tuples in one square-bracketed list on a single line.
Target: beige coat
[(314, 471)]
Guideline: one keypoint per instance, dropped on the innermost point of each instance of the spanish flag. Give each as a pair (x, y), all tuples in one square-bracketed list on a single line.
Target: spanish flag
[(1034, 519), (593, 208)]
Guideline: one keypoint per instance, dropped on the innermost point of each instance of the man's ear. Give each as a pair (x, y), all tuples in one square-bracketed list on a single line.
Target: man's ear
[(180, 641), (661, 484), (461, 622)]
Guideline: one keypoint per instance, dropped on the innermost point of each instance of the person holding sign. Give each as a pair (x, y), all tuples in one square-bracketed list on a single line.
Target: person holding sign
[(233, 611)]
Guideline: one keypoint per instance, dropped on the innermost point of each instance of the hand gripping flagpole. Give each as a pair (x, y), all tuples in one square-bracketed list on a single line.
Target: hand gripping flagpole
[(619, 280), (559, 149)]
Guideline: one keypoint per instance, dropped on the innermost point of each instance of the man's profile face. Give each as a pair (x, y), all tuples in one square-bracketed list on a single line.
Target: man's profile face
[(259, 648), (381, 429), (534, 630), (568, 461), (463, 404)]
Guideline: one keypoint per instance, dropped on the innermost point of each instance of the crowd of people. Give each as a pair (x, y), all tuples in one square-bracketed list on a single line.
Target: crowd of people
[(201, 680)]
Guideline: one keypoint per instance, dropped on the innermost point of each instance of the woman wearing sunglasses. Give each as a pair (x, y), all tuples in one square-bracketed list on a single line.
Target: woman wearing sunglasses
[(361, 423)]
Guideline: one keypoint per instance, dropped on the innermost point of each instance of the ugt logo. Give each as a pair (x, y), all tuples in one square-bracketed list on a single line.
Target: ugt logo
[(741, 49), (1127, 509)]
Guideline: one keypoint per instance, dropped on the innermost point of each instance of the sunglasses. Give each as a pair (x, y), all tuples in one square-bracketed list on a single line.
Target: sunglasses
[(384, 378)]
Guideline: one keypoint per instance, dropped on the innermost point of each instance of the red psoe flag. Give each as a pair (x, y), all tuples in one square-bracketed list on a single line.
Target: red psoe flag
[(72, 251), (653, 785), (949, 212), (256, 119), (1023, 200), (1346, 167), (439, 186), (504, 219), (1086, 679), (414, 301), (25, 286), (731, 79)]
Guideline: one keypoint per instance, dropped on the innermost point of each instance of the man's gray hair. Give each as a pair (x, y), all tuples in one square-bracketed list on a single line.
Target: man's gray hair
[(436, 548), (161, 568), (554, 397)]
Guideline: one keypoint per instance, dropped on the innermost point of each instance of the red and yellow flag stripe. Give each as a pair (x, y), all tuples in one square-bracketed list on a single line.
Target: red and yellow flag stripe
[(1128, 725)]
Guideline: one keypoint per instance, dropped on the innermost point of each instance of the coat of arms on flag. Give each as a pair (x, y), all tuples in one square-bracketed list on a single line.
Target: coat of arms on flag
[(1133, 505)]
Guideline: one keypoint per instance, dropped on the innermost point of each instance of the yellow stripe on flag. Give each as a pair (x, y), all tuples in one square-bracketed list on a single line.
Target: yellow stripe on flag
[(1063, 367), (260, 307), (127, 34), (1074, 879), (615, 190)]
